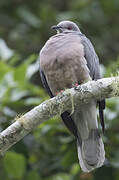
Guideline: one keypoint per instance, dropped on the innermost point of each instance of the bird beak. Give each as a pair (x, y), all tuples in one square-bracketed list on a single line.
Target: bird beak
[(56, 28)]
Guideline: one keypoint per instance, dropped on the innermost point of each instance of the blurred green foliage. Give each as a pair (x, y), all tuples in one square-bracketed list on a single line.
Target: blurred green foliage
[(49, 152), (25, 24), (14, 165)]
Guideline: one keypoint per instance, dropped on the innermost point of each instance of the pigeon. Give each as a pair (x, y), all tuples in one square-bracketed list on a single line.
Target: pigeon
[(68, 58)]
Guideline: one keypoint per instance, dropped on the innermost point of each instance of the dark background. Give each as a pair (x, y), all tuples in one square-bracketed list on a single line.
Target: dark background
[(49, 152)]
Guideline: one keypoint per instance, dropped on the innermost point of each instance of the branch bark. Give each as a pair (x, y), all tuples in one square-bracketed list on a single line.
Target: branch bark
[(100, 89)]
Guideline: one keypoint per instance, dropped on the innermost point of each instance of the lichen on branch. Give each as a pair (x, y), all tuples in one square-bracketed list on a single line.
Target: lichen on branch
[(100, 89)]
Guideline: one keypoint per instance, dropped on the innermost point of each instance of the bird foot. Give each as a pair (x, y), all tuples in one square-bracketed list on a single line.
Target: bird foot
[(75, 86), (59, 92)]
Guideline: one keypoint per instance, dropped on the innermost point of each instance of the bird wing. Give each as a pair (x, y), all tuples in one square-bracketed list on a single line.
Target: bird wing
[(93, 65), (91, 57), (45, 84)]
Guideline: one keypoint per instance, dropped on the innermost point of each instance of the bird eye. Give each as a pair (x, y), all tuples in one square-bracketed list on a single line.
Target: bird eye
[(69, 27)]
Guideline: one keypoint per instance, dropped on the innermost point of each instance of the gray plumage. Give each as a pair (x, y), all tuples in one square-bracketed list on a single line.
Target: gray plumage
[(68, 58)]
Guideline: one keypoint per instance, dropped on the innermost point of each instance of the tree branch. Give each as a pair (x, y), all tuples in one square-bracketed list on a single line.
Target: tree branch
[(100, 89)]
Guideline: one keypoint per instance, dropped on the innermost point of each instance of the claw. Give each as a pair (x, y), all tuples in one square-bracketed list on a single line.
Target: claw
[(59, 92), (75, 85)]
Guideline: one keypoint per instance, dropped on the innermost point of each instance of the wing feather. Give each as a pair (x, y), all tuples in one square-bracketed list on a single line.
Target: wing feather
[(93, 65)]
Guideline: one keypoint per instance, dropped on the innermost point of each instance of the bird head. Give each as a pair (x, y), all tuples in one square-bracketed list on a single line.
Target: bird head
[(64, 26)]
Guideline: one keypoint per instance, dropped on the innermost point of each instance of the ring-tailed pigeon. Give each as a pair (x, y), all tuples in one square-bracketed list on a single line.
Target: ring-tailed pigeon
[(68, 58)]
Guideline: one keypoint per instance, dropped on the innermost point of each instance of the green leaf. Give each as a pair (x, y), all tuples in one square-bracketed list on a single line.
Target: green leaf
[(4, 68), (20, 71), (33, 175), (14, 164), (70, 156), (75, 168)]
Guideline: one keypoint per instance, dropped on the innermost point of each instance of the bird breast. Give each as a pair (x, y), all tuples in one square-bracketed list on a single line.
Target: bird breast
[(63, 62)]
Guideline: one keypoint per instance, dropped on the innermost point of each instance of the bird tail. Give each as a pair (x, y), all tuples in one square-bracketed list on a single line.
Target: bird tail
[(91, 152), (90, 146)]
